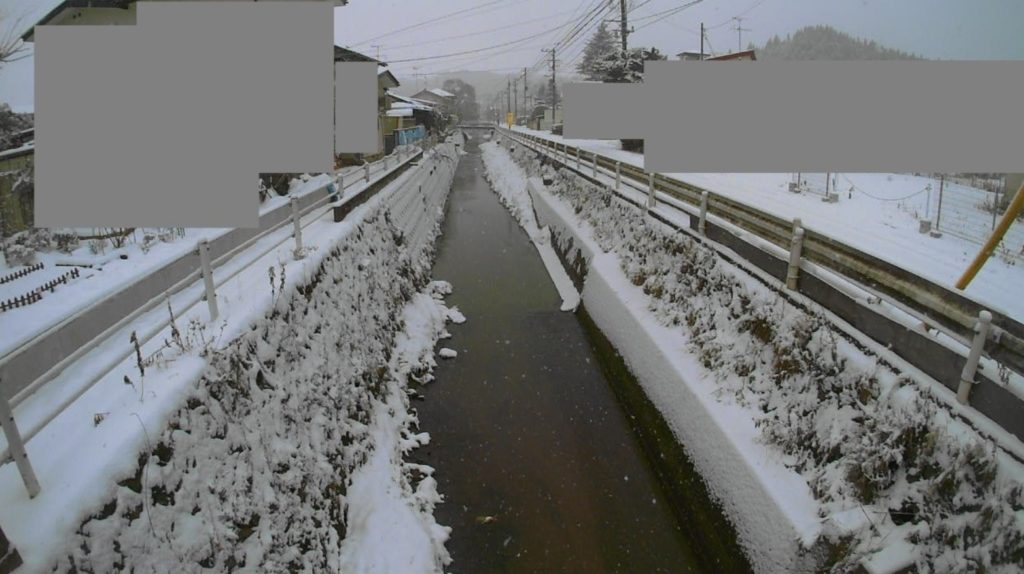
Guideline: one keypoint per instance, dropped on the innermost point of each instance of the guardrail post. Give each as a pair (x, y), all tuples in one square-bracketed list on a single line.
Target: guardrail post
[(796, 246), (341, 185), (211, 292), (651, 201), (594, 163), (297, 224), (577, 159), (618, 175), (702, 224), (16, 446), (981, 328)]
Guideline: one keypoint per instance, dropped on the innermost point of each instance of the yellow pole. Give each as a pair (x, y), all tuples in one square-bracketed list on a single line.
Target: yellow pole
[(1014, 208)]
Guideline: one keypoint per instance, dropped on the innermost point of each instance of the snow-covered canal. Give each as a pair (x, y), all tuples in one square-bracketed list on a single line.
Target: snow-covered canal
[(537, 461)]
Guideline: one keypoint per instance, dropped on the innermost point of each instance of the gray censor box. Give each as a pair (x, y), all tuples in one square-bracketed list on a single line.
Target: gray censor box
[(169, 122), (786, 116)]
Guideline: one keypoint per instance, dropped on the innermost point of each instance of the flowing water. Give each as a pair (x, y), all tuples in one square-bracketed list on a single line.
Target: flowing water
[(538, 463)]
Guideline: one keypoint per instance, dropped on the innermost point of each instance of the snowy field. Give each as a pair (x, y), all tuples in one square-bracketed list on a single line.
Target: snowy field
[(870, 466), (883, 223)]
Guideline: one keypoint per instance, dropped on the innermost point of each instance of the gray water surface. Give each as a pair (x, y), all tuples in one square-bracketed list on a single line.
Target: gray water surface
[(539, 467)]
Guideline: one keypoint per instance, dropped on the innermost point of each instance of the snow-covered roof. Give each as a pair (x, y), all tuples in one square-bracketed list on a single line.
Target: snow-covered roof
[(49, 10), (440, 92), (405, 101), (400, 113), (18, 151)]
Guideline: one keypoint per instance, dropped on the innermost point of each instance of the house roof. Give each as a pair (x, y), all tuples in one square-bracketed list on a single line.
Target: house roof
[(26, 149), (440, 92), (744, 55), (346, 55), (388, 79), (59, 6), (413, 103)]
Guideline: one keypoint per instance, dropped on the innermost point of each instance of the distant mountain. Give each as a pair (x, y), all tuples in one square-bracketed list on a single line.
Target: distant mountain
[(827, 43)]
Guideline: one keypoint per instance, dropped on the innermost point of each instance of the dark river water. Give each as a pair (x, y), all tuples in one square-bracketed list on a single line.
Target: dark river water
[(540, 469)]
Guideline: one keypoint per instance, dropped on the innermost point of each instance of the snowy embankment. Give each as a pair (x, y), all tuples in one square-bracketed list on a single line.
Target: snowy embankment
[(282, 448), (509, 181), (879, 216), (817, 451)]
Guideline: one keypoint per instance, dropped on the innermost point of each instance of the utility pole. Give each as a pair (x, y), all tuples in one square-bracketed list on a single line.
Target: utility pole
[(515, 96), (623, 27), (554, 92), (702, 41), (508, 104), (739, 31), (526, 104)]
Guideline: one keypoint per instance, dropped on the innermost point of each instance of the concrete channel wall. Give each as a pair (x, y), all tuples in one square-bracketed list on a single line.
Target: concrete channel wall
[(767, 527)]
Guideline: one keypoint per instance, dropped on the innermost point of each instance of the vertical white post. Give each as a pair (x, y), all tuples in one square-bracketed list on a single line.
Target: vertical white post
[(981, 328), (211, 293), (651, 201), (297, 225), (17, 448), (366, 171), (618, 175), (594, 164), (702, 224), (341, 185), (796, 246), (577, 159)]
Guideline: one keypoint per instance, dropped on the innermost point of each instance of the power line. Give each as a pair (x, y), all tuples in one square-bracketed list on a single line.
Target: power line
[(743, 13), (475, 51), (660, 16), (478, 33), (447, 16)]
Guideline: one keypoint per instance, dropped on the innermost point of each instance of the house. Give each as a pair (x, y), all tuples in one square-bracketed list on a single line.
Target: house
[(405, 112), (443, 100), (690, 55), (744, 55), (385, 81), (93, 13)]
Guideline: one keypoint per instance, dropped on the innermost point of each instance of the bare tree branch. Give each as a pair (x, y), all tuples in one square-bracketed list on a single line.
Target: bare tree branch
[(12, 47)]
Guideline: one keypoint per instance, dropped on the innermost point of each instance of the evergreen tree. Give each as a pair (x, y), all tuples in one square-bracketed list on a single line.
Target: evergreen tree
[(600, 45), (613, 68)]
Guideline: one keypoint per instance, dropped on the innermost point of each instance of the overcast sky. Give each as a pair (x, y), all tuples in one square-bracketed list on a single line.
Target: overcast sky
[(519, 29)]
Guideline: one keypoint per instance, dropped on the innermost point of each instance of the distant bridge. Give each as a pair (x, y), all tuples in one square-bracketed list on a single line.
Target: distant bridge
[(477, 125)]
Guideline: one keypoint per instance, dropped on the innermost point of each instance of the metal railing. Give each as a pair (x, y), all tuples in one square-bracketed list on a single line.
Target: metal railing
[(783, 248), (290, 214)]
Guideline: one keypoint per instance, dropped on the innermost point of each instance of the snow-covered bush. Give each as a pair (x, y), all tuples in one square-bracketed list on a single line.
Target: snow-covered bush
[(864, 436), (66, 241), (18, 254), (252, 472)]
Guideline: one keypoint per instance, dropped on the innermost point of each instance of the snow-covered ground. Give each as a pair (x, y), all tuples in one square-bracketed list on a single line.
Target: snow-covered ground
[(509, 181), (886, 473), (878, 217), (252, 429), (105, 269)]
